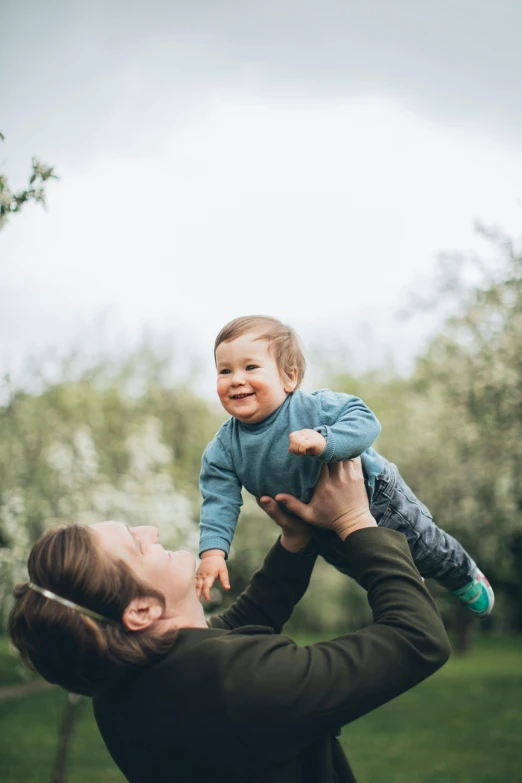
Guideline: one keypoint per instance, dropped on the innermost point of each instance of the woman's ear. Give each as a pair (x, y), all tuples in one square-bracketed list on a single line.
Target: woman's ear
[(141, 613), (290, 380)]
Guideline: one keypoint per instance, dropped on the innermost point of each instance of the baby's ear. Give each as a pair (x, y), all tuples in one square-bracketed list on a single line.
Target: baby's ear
[(290, 380)]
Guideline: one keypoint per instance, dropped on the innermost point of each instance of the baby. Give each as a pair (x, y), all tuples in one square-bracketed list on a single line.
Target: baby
[(276, 442)]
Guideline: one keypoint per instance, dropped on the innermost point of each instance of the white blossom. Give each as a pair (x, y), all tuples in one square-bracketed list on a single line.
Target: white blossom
[(144, 495)]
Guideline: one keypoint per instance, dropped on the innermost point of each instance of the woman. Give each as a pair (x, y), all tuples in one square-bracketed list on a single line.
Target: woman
[(177, 700)]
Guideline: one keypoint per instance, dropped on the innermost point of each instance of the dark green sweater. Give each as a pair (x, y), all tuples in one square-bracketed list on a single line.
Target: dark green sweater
[(239, 702)]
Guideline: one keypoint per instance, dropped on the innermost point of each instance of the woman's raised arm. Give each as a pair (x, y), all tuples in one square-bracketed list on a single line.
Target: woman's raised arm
[(340, 503)]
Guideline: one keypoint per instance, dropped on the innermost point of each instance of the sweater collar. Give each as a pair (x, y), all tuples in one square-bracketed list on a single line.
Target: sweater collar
[(259, 426)]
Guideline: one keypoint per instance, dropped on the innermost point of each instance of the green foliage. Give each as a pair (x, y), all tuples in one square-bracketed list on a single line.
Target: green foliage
[(10, 202), (89, 449), (119, 440), (455, 427), (12, 671)]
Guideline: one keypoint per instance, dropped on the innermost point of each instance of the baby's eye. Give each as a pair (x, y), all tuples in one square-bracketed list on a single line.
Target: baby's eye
[(224, 372), (252, 366)]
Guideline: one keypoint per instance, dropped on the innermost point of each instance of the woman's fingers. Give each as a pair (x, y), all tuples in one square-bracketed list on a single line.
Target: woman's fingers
[(287, 521), (270, 507), (296, 508), (340, 492), (335, 469), (349, 470), (295, 533), (354, 466), (274, 511), (325, 470)]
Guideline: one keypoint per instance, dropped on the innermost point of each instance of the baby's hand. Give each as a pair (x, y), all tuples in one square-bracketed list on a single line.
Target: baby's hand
[(212, 566), (307, 442)]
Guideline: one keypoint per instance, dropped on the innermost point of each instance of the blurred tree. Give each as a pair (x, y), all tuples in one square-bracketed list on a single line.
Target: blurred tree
[(68, 724), (88, 450), (13, 202), (475, 369), (120, 440), (455, 426)]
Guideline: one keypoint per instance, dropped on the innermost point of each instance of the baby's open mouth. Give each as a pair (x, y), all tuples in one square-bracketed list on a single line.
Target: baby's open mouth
[(242, 396)]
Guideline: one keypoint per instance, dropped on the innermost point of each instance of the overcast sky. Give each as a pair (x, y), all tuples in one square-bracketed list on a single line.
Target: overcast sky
[(302, 159)]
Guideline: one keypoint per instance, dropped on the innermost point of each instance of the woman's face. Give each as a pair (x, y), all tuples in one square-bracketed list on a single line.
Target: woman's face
[(172, 573)]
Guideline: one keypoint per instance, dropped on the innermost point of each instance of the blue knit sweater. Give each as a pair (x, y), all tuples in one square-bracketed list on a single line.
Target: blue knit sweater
[(256, 456)]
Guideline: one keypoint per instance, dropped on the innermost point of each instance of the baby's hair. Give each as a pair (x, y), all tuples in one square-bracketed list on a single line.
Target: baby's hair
[(283, 341)]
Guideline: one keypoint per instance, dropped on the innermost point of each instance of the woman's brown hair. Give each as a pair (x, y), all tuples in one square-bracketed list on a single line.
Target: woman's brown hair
[(81, 654), (283, 341)]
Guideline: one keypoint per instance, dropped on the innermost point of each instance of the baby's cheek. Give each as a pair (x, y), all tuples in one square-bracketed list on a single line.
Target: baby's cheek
[(222, 391)]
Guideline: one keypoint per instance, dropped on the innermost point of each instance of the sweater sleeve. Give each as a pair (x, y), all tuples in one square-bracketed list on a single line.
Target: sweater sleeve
[(222, 501), (348, 425), (272, 592), (291, 696)]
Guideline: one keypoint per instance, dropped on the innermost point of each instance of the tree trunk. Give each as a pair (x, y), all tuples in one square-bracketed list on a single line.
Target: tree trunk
[(463, 623), (70, 716)]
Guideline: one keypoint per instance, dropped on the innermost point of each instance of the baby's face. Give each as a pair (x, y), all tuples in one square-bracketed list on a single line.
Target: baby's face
[(249, 383)]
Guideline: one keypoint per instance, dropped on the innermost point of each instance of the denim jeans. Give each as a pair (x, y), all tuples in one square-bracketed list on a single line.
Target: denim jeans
[(436, 554)]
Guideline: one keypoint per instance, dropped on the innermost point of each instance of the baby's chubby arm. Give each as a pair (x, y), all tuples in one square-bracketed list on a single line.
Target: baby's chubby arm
[(221, 492), (348, 427)]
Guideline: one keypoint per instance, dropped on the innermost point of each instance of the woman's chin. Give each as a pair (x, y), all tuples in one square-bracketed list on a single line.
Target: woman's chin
[(181, 556)]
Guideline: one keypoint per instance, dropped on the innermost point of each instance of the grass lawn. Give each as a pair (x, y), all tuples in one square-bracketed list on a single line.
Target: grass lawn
[(464, 725)]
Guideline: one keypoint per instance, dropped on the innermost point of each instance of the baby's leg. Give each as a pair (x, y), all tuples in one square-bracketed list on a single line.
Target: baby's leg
[(437, 555)]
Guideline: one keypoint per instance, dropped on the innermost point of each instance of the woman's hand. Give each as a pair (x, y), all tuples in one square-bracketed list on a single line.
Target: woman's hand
[(340, 501), (295, 534)]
